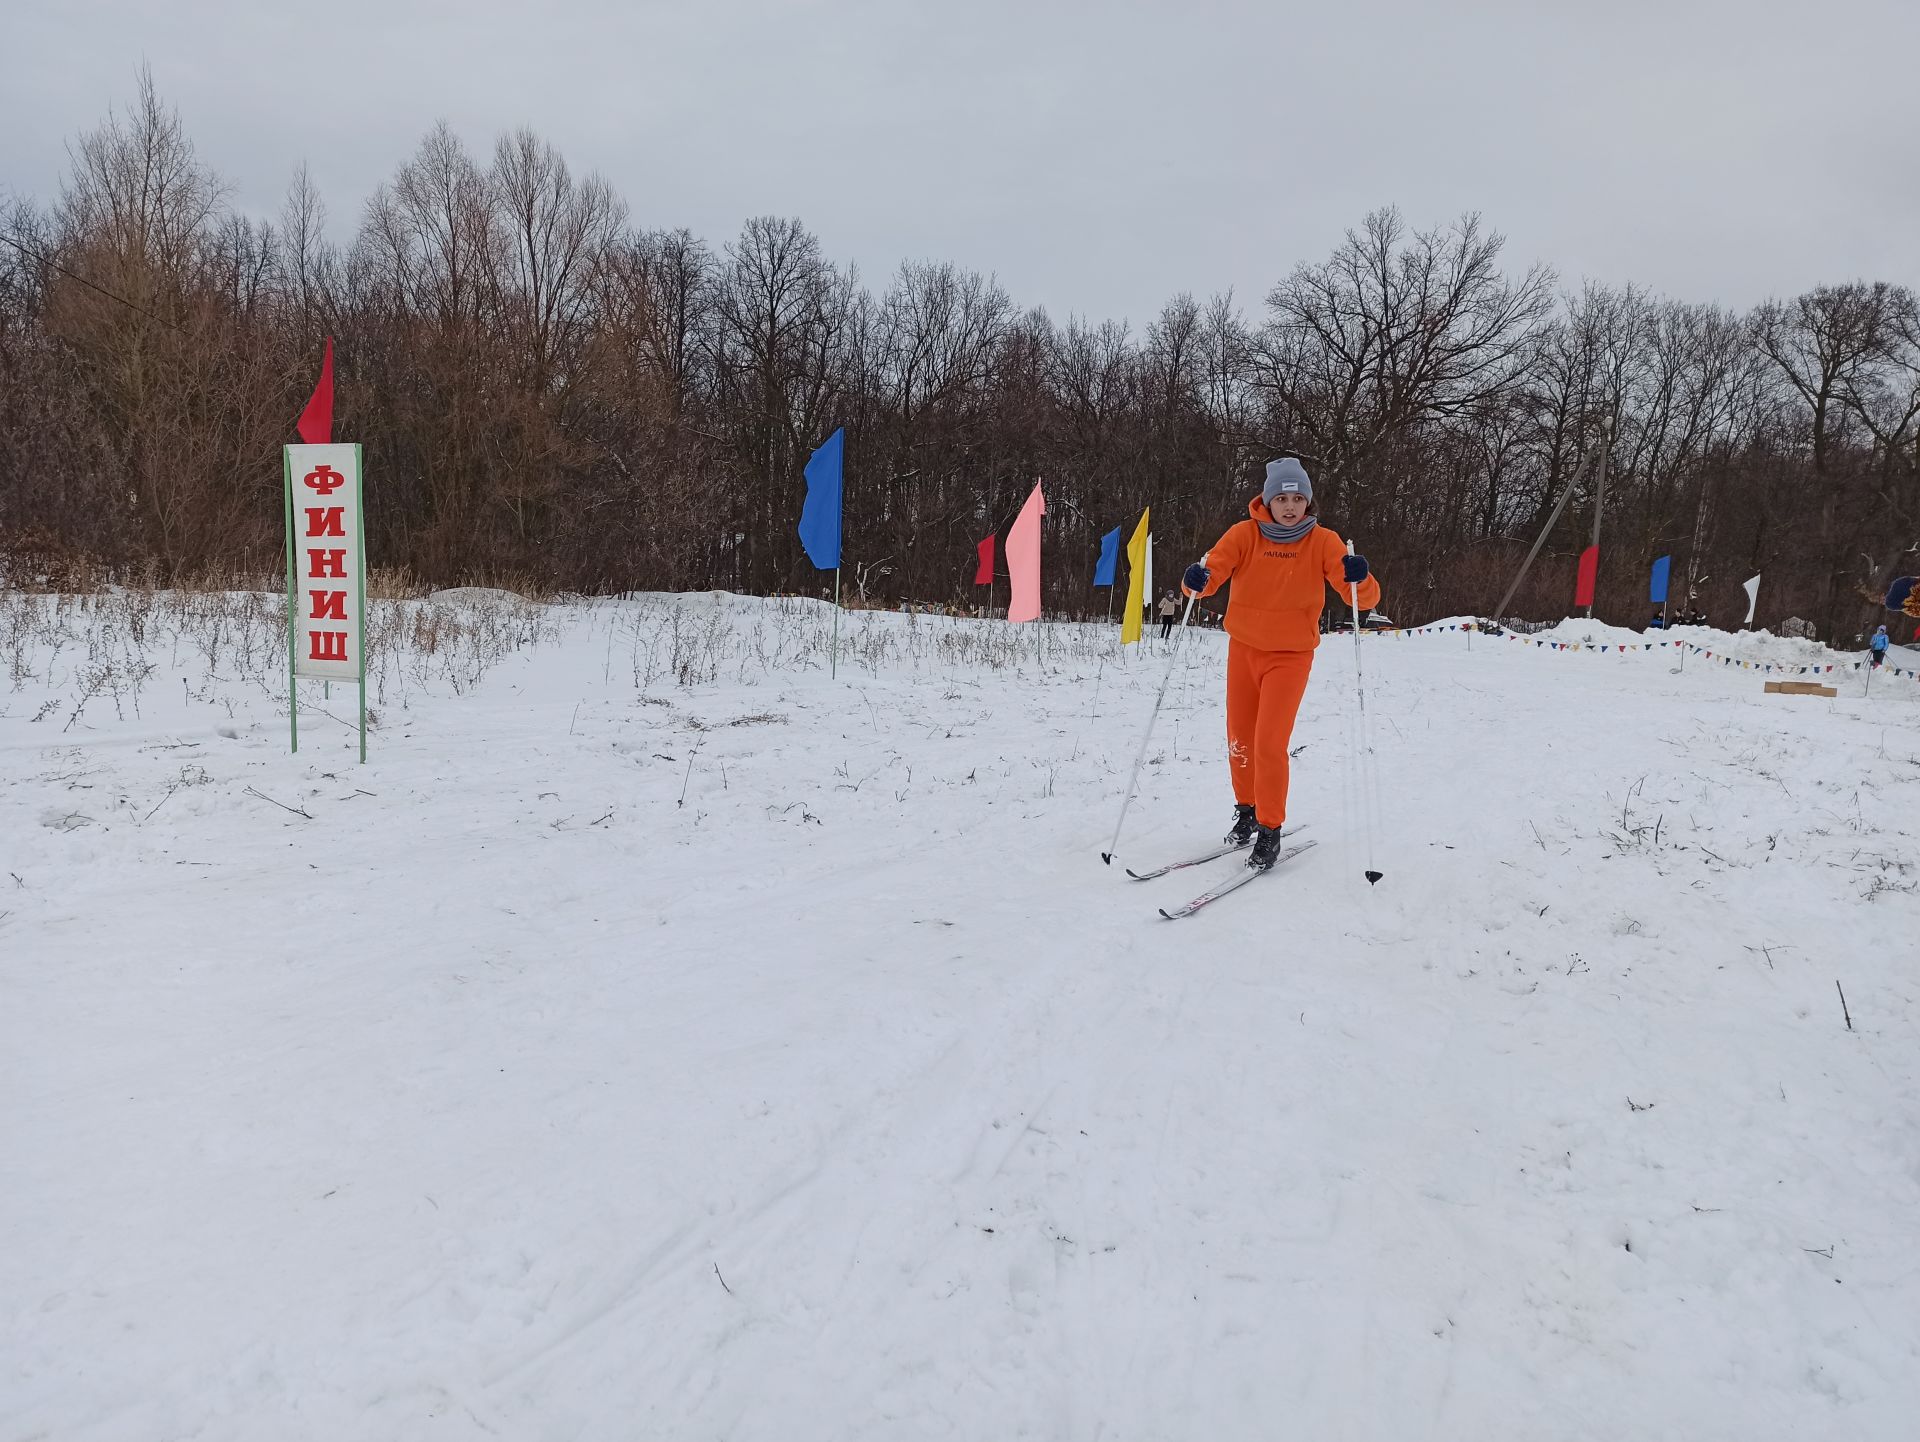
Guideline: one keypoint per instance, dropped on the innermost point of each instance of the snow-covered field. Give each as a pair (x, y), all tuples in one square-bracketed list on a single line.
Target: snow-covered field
[(661, 1039)]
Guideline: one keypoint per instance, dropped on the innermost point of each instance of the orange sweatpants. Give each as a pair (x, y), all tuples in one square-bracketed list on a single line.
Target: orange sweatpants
[(1263, 696)]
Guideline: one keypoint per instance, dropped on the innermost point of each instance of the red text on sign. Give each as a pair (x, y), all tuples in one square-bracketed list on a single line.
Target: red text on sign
[(326, 521), (322, 564), (325, 479), (329, 606), (328, 646)]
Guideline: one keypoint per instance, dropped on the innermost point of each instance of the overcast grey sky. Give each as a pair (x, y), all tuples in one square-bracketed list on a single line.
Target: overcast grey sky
[(1096, 157)]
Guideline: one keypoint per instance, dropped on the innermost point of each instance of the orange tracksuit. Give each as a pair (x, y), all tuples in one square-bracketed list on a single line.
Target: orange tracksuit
[(1273, 618)]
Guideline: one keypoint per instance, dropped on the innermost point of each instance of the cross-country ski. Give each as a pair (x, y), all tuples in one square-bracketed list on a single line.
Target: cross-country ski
[(1232, 884), (1214, 853)]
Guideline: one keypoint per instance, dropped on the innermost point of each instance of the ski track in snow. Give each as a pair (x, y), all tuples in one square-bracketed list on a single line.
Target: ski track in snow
[(854, 1097)]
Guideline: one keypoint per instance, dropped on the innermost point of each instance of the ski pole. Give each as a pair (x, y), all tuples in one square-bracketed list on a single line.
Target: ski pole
[(1140, 760), (1366, 746)]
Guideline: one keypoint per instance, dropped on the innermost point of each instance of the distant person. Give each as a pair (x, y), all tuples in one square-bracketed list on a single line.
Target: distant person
[(1658, 623), (1877, 647), (1169, 613)]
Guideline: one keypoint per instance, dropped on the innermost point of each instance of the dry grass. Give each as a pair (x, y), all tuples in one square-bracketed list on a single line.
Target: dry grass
[(106, 646), (697, 640), (65, 653)]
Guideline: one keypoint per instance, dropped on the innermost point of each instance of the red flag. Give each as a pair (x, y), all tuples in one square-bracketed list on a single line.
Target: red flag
[(316, 421), (1589, 573), (983, 573)]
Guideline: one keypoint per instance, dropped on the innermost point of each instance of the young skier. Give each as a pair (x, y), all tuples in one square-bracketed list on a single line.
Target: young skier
[(1280, 560), (1877, 647)]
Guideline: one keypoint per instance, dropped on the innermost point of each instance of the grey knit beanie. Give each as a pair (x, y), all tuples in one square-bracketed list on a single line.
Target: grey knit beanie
[(1286, 477)]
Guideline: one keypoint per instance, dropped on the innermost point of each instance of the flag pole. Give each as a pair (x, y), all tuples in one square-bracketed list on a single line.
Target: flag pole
[(293, 680), (823, 507), (360, 540), (1366, 747), (1159, 697), (1599, 506)]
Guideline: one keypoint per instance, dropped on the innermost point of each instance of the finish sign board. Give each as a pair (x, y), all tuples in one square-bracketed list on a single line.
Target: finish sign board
[(326, 571)]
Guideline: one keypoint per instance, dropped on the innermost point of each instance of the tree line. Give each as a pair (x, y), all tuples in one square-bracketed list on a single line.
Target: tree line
[(555, 397)]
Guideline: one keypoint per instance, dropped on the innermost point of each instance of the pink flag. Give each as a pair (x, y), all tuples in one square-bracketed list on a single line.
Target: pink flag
[(1023, 558)]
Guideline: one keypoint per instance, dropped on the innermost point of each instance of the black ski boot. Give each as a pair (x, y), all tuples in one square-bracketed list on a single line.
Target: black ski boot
[(1266, 848), (1243, 826)]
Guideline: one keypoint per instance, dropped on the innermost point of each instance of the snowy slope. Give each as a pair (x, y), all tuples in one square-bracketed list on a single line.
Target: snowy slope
[(690, 1045)]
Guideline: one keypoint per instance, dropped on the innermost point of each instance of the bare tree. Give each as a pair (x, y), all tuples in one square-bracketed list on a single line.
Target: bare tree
[(1821, 344), (1395, 331), (549, 397)]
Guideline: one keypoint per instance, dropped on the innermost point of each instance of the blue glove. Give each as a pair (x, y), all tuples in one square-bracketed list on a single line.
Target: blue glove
[(1355, 568), (1196, 578)]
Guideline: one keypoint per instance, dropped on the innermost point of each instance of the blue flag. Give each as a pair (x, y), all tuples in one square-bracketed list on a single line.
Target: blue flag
[(820, 516), (1657, 592), (1109, 558)]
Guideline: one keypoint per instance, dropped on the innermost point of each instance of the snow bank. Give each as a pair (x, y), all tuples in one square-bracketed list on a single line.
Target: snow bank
[(1756, 645)]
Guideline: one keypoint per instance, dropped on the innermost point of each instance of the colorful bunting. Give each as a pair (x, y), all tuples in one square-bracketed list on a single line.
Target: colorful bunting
[(1765, 668)]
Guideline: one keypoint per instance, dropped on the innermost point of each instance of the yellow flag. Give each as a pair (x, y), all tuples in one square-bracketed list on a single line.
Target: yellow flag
[(1136, 582)]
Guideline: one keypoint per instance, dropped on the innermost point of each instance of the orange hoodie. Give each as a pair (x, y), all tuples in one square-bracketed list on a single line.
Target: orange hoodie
[(1280, 587)]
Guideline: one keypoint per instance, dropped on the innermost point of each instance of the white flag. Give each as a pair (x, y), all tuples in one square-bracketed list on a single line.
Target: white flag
[(1148, 599), (1753, 599)]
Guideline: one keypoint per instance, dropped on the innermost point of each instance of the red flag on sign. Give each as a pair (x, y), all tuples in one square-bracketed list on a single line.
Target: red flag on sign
[(1589, 573), (983, 573), (316, 421)]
